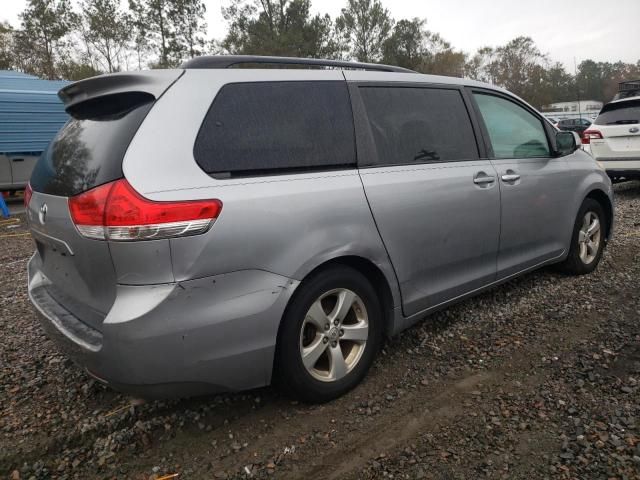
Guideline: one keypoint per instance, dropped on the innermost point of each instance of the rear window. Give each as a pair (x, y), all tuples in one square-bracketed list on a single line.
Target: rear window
[(89, 149), (620, 113), (276, 127), (418, 125)]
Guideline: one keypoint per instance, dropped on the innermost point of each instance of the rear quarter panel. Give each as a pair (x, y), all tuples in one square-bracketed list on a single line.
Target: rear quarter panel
[(284, 224)]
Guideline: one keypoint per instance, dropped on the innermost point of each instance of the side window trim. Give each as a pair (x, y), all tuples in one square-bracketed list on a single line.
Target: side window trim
[(365, 143), (546, 127)]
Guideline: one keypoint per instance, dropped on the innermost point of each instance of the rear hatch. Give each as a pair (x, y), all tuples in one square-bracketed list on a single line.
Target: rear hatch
[(616, 131), (106, 113)]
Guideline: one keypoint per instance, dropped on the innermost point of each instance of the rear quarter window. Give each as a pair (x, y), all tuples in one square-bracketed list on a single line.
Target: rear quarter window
[(277, 127)]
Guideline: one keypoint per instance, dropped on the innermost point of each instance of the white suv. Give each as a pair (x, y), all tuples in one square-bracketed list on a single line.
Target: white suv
[(615, 138)]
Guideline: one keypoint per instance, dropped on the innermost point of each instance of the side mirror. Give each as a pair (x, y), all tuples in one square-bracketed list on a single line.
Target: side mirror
[(567, 143)]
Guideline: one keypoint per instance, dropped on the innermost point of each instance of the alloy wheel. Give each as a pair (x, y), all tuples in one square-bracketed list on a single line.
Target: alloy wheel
[(589, 237), (334, 335)]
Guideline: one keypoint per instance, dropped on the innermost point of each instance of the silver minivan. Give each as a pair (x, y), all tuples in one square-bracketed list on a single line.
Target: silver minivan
[(213, 228)]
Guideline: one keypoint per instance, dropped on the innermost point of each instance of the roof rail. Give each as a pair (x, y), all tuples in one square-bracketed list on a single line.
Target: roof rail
[(226, 61)]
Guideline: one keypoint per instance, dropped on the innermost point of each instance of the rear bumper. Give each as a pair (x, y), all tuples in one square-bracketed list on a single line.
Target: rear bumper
[(618, 165), (200, 336)]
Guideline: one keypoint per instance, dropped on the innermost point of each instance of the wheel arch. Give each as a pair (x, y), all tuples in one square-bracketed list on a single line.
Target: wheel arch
[(372, 272)]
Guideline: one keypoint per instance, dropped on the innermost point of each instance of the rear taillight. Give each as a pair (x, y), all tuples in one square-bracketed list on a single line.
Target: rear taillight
[(589, 135), (28, 192), (115, 211)]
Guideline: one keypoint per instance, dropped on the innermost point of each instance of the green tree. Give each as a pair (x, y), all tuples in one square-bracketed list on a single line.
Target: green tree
[(518, 66), (516, 63), (284, 27), (107, 30), (560, 86), (155, 28), (479, 65), (6, 46), (599, 80), (45, 24), (188, 17), (441, 58), (365, 26), (406, 46), (70, 69), (411, 46)]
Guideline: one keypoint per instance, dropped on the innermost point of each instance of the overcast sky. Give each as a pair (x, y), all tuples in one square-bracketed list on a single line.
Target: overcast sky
[(603, 30)]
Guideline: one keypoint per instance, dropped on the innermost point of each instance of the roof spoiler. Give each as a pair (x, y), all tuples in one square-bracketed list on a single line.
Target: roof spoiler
[(153, 82)]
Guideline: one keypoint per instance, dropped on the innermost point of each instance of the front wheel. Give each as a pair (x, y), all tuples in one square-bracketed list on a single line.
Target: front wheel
[(330, 335), (588, 240)]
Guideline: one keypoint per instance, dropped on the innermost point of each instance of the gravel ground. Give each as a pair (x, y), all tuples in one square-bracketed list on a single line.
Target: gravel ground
[(538, 378)]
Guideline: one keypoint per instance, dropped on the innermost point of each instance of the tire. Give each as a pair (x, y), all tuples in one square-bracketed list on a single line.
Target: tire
[(577, 263), (304, 332)]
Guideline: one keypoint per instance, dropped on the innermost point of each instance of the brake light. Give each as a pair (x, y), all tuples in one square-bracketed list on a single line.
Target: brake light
[(28, 192), (589, 135), (115, 211)]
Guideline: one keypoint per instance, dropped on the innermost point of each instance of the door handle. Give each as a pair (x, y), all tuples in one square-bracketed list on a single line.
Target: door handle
[(483, 180), (510, 177), (18, 159)]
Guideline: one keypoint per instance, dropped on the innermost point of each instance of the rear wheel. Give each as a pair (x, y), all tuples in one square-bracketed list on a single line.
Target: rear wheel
[(330, 335), (587, 242)]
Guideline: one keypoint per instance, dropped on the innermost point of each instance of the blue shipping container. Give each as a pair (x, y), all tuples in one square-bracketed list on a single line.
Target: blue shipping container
[(30, 112)]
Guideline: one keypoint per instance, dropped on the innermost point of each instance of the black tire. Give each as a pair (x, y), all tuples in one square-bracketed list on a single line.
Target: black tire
[(574, 264), (290, 374)]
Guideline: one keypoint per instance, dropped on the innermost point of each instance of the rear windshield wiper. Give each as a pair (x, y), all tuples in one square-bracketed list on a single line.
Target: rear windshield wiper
[(622, 122)]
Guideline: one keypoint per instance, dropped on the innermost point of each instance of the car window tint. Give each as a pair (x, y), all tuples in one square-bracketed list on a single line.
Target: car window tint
[(274, 126), (417, 125), (514, 132)]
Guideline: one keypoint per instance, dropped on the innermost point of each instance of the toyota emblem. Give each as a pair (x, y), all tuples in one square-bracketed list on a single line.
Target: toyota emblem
[(634, 130)]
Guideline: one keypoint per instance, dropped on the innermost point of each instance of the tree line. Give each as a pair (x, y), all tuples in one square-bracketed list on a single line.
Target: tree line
[(59, 39)]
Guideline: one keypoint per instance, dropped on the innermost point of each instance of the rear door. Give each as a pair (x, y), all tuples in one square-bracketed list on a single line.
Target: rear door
[(536, 188), (86, 153), (435, 201)]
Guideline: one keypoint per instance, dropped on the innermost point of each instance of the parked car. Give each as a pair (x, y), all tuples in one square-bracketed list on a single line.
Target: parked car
[(577, 125), (291, 218), (614, 138)]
